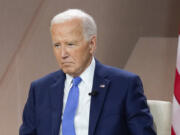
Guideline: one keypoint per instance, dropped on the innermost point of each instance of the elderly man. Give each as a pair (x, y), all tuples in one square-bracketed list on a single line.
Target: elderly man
[(84, 97)]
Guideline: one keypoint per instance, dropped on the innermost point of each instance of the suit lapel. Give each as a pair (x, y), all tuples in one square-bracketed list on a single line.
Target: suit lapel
[(100, 84), (56, 95)]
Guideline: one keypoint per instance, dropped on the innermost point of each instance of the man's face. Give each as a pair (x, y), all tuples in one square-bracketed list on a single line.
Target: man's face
[(72, 51)]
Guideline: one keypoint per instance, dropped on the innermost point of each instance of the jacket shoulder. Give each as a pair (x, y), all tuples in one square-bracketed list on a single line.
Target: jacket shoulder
[(117, 72)]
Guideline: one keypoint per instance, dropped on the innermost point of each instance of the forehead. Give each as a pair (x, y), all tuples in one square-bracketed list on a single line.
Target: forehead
[(69, 27)]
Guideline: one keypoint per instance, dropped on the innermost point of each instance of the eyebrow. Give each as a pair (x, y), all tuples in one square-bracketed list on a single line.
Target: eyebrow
[(73, 41), (70, 41), (56, 43)]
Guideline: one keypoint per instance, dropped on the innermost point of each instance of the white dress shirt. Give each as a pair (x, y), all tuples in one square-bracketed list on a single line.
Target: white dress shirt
[(81, 121)]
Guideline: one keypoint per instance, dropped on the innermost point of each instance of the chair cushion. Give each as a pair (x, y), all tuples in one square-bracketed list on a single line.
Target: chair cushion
[(161, 111)]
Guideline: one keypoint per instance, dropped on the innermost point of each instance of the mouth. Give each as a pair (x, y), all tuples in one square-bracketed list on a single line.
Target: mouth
[(66, 63)]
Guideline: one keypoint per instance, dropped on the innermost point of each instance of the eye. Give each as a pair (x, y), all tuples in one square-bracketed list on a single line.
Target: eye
[(71, 44), (57, 45)]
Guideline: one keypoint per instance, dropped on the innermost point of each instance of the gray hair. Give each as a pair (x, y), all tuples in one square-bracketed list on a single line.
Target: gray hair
[(89, 25)]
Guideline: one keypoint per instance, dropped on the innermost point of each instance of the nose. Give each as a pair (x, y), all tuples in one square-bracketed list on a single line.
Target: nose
[(64, 53)]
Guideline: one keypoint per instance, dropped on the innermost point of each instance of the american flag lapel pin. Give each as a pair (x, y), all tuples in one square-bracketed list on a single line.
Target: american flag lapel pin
[(102, 86)]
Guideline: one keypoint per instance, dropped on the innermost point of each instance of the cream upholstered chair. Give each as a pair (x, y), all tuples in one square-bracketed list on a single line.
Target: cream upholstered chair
[(161, 112)]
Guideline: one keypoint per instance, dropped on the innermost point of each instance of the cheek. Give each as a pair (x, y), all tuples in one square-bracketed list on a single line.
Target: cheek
[(56, 55), (84, 56)]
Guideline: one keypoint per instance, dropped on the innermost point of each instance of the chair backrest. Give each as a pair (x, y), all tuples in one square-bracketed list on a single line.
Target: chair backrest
[(161, 112)]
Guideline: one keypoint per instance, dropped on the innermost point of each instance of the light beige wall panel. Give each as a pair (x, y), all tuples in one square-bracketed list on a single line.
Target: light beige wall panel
[(117, 24), (154, 59), (9, 104), (160, 18), (15, 18)]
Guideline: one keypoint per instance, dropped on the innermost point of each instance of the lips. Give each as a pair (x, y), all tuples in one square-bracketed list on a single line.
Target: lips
[(67, 63)]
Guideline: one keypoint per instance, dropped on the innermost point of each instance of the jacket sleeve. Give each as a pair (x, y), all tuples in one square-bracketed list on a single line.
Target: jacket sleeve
[(139, 118), (28, 126)]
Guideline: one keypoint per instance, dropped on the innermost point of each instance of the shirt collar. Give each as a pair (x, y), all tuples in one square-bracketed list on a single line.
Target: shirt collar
[(68, 79), (88, 75)]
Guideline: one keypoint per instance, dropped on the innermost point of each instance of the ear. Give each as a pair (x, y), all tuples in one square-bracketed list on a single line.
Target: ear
[(92, 44)]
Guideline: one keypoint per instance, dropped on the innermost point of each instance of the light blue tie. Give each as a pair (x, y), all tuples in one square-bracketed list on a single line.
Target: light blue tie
[(70, 108)]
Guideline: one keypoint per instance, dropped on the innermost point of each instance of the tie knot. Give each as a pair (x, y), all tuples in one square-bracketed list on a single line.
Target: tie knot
[(76, 81)]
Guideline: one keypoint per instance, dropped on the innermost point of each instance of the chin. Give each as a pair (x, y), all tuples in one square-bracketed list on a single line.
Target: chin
[(68, 71)]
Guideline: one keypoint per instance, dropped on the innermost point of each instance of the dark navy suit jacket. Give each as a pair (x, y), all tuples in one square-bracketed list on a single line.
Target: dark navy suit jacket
[(119, 108)]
